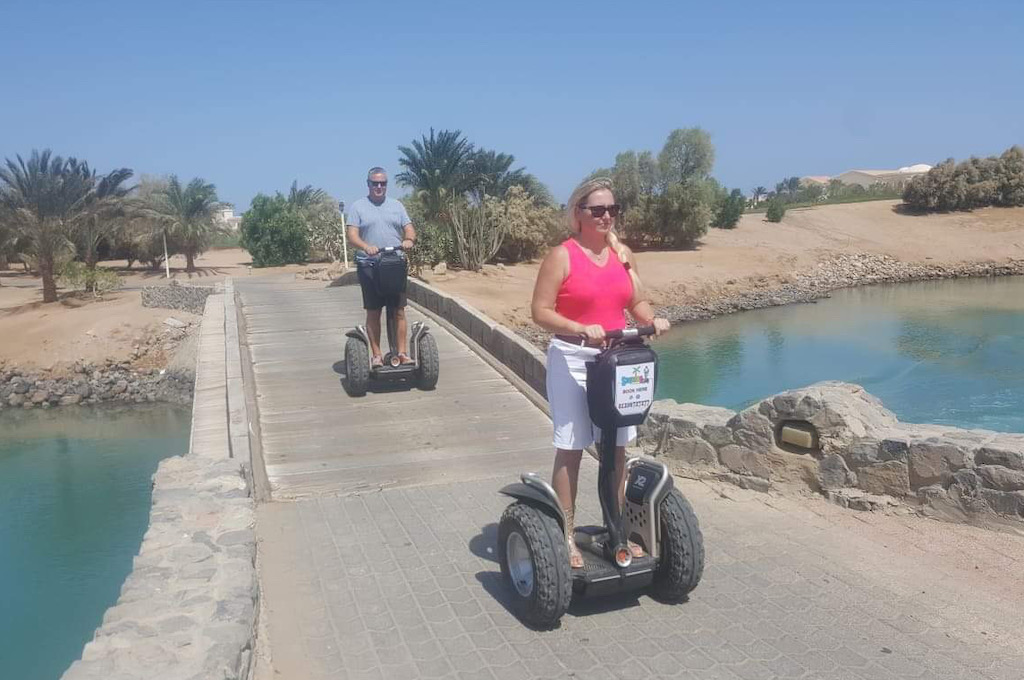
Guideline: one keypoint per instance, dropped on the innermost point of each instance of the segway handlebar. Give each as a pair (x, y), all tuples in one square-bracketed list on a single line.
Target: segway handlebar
[(638, 332)]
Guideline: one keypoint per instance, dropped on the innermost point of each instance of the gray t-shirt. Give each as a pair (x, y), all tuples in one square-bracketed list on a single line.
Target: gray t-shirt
[(379, 225)]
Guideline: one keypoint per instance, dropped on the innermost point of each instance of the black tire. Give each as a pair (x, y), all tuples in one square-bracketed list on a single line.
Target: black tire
[(681, 553), (430, 364), (357, 367), (551, 590)]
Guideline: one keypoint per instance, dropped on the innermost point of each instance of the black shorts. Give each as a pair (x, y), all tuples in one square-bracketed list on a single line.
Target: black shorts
[(372, 299)]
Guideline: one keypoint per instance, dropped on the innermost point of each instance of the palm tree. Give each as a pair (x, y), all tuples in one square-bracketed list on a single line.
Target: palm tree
[(438, 168), (306, 197), (187, 215), (103, 212), (43, 199), (758, 193), (793, 185)]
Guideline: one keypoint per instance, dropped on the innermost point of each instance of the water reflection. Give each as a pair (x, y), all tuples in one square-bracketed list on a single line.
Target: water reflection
[(946, 351)]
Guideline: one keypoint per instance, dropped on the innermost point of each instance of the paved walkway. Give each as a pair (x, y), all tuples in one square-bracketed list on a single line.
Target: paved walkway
[(377, 561)]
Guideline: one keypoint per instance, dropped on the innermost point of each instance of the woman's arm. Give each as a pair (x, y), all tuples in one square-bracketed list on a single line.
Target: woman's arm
[(553, 271)]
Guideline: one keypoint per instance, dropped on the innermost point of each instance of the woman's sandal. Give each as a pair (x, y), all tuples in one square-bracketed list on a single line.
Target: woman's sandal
[(575, 556)]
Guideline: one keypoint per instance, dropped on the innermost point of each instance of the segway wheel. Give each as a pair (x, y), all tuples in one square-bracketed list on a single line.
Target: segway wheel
[(534, 561), (681, 561), (430, 364), (357, 367)]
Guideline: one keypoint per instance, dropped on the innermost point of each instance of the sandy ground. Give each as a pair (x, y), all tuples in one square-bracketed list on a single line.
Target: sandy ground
[(81, 328), (757, 253)]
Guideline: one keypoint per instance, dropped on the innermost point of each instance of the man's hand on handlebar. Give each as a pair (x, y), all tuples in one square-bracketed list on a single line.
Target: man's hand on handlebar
[(371, 250), (407, 244)]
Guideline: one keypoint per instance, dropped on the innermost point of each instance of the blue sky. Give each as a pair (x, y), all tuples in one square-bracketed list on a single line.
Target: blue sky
[(251, 95)]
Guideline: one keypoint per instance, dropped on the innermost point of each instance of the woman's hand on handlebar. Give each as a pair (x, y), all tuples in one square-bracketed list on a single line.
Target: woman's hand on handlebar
[(594, 333), (660, 326)]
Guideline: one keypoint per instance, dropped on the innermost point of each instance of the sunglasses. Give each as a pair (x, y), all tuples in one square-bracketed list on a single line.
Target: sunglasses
[(599, 210), (377, 184)]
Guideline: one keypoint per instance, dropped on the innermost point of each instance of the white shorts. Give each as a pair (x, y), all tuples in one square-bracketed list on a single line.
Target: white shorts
[(567, 396)]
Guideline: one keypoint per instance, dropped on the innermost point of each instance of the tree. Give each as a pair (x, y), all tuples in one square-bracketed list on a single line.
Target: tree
[(729, 210), (759, 193), (776, 209), (437, 167), (188, 214), (1011, 177), (687, 156), (478, 235), (529, 224), (792, 185), (322, 219), (274, 232), (103, 213), (43, 199)]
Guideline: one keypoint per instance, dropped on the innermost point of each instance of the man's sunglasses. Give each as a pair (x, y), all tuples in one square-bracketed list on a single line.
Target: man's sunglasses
[(599, 210), (377, 184)]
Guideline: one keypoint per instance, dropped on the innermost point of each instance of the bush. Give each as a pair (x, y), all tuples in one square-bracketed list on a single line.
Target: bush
[(530, 225), (974, 183), (729, 210), (433, 239), (776, 209), (77, 276), (274, 232)]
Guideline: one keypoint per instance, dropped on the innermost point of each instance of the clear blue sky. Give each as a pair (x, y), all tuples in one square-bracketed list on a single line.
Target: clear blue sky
[(251, 95)]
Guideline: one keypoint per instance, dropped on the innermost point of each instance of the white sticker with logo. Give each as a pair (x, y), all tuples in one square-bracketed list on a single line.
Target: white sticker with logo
[(634, 388)]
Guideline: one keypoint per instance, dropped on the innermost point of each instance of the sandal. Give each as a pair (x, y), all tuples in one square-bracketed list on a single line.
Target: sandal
[(575, 556), (376, 361), (405, 359), (635, 549)]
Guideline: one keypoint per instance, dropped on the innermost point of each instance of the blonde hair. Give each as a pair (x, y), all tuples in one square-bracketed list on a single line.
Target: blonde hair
[(579, 195)]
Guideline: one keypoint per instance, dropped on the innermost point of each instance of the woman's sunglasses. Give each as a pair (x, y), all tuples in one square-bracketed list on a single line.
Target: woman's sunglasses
[(599, 210)]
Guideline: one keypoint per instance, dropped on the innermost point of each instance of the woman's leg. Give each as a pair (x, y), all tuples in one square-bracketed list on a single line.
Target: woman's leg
[(564, 479), (620, 484)]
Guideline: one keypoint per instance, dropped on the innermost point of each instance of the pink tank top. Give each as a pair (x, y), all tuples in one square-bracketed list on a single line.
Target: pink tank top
[(592, 294)]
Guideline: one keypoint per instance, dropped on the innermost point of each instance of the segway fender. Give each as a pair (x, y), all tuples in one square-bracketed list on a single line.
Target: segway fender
[(419, 329), (359, 333), (534, 489)]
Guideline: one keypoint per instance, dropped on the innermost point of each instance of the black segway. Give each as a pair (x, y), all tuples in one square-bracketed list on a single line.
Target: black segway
[(532, 546), (390, 276)]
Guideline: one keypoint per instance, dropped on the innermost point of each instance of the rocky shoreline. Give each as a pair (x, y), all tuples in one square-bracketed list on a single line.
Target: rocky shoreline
[(844, 271), (88, 383)]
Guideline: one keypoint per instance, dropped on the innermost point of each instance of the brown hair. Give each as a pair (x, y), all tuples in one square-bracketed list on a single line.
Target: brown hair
[(576, 200)]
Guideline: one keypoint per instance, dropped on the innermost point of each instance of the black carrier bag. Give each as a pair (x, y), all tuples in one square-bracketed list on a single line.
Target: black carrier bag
[(391, 271), (621, 384)]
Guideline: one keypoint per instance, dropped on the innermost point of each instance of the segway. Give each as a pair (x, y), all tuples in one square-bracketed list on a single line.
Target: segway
[(390, 276), (532, 546)]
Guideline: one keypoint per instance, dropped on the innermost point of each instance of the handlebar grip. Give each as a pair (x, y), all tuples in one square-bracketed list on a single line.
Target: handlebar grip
[(639, 331)]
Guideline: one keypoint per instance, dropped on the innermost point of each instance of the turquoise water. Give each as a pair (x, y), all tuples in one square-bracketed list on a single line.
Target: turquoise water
[(948, 352), (75, 490)]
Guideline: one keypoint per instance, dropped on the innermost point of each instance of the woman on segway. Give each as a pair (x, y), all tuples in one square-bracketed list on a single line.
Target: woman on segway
[(583, 288)]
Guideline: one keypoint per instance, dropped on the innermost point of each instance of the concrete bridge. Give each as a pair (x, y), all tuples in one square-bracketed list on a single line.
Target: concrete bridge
[(374, 530)]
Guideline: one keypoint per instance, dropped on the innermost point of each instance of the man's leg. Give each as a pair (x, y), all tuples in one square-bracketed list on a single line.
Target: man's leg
[(403, 336), (373, 330)]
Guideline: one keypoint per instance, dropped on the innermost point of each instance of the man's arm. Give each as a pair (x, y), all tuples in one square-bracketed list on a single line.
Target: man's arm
[(353, 238), (408, 236)]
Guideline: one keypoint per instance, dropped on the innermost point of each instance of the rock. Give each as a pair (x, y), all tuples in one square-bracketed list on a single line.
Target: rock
[(16, 399), (70, 399), (891, 478), (752, 430), (40, 397), (863, 452), (1000, 456), (119, 387), (746, 482), (717, 435), (441, 268), (934, 462), (833, 473), (1004, 502), (691, 451), (20, 386), (1001, 478), (743, 461), (174, 323)]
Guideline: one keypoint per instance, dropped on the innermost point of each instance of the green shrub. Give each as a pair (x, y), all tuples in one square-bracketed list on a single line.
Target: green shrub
[(274, 232), (729, 210), (776, 209), (98, 281)]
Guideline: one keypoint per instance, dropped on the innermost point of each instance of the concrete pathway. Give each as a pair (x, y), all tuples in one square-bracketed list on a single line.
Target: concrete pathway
[(377, 553)]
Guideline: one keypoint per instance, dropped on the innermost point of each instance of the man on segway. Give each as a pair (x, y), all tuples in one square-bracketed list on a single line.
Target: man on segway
[(374, 223)]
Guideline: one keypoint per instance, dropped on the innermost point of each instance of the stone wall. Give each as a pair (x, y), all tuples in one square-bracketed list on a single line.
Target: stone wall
[(93, 384), (177, 296), (840, 440), (188, 610)]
